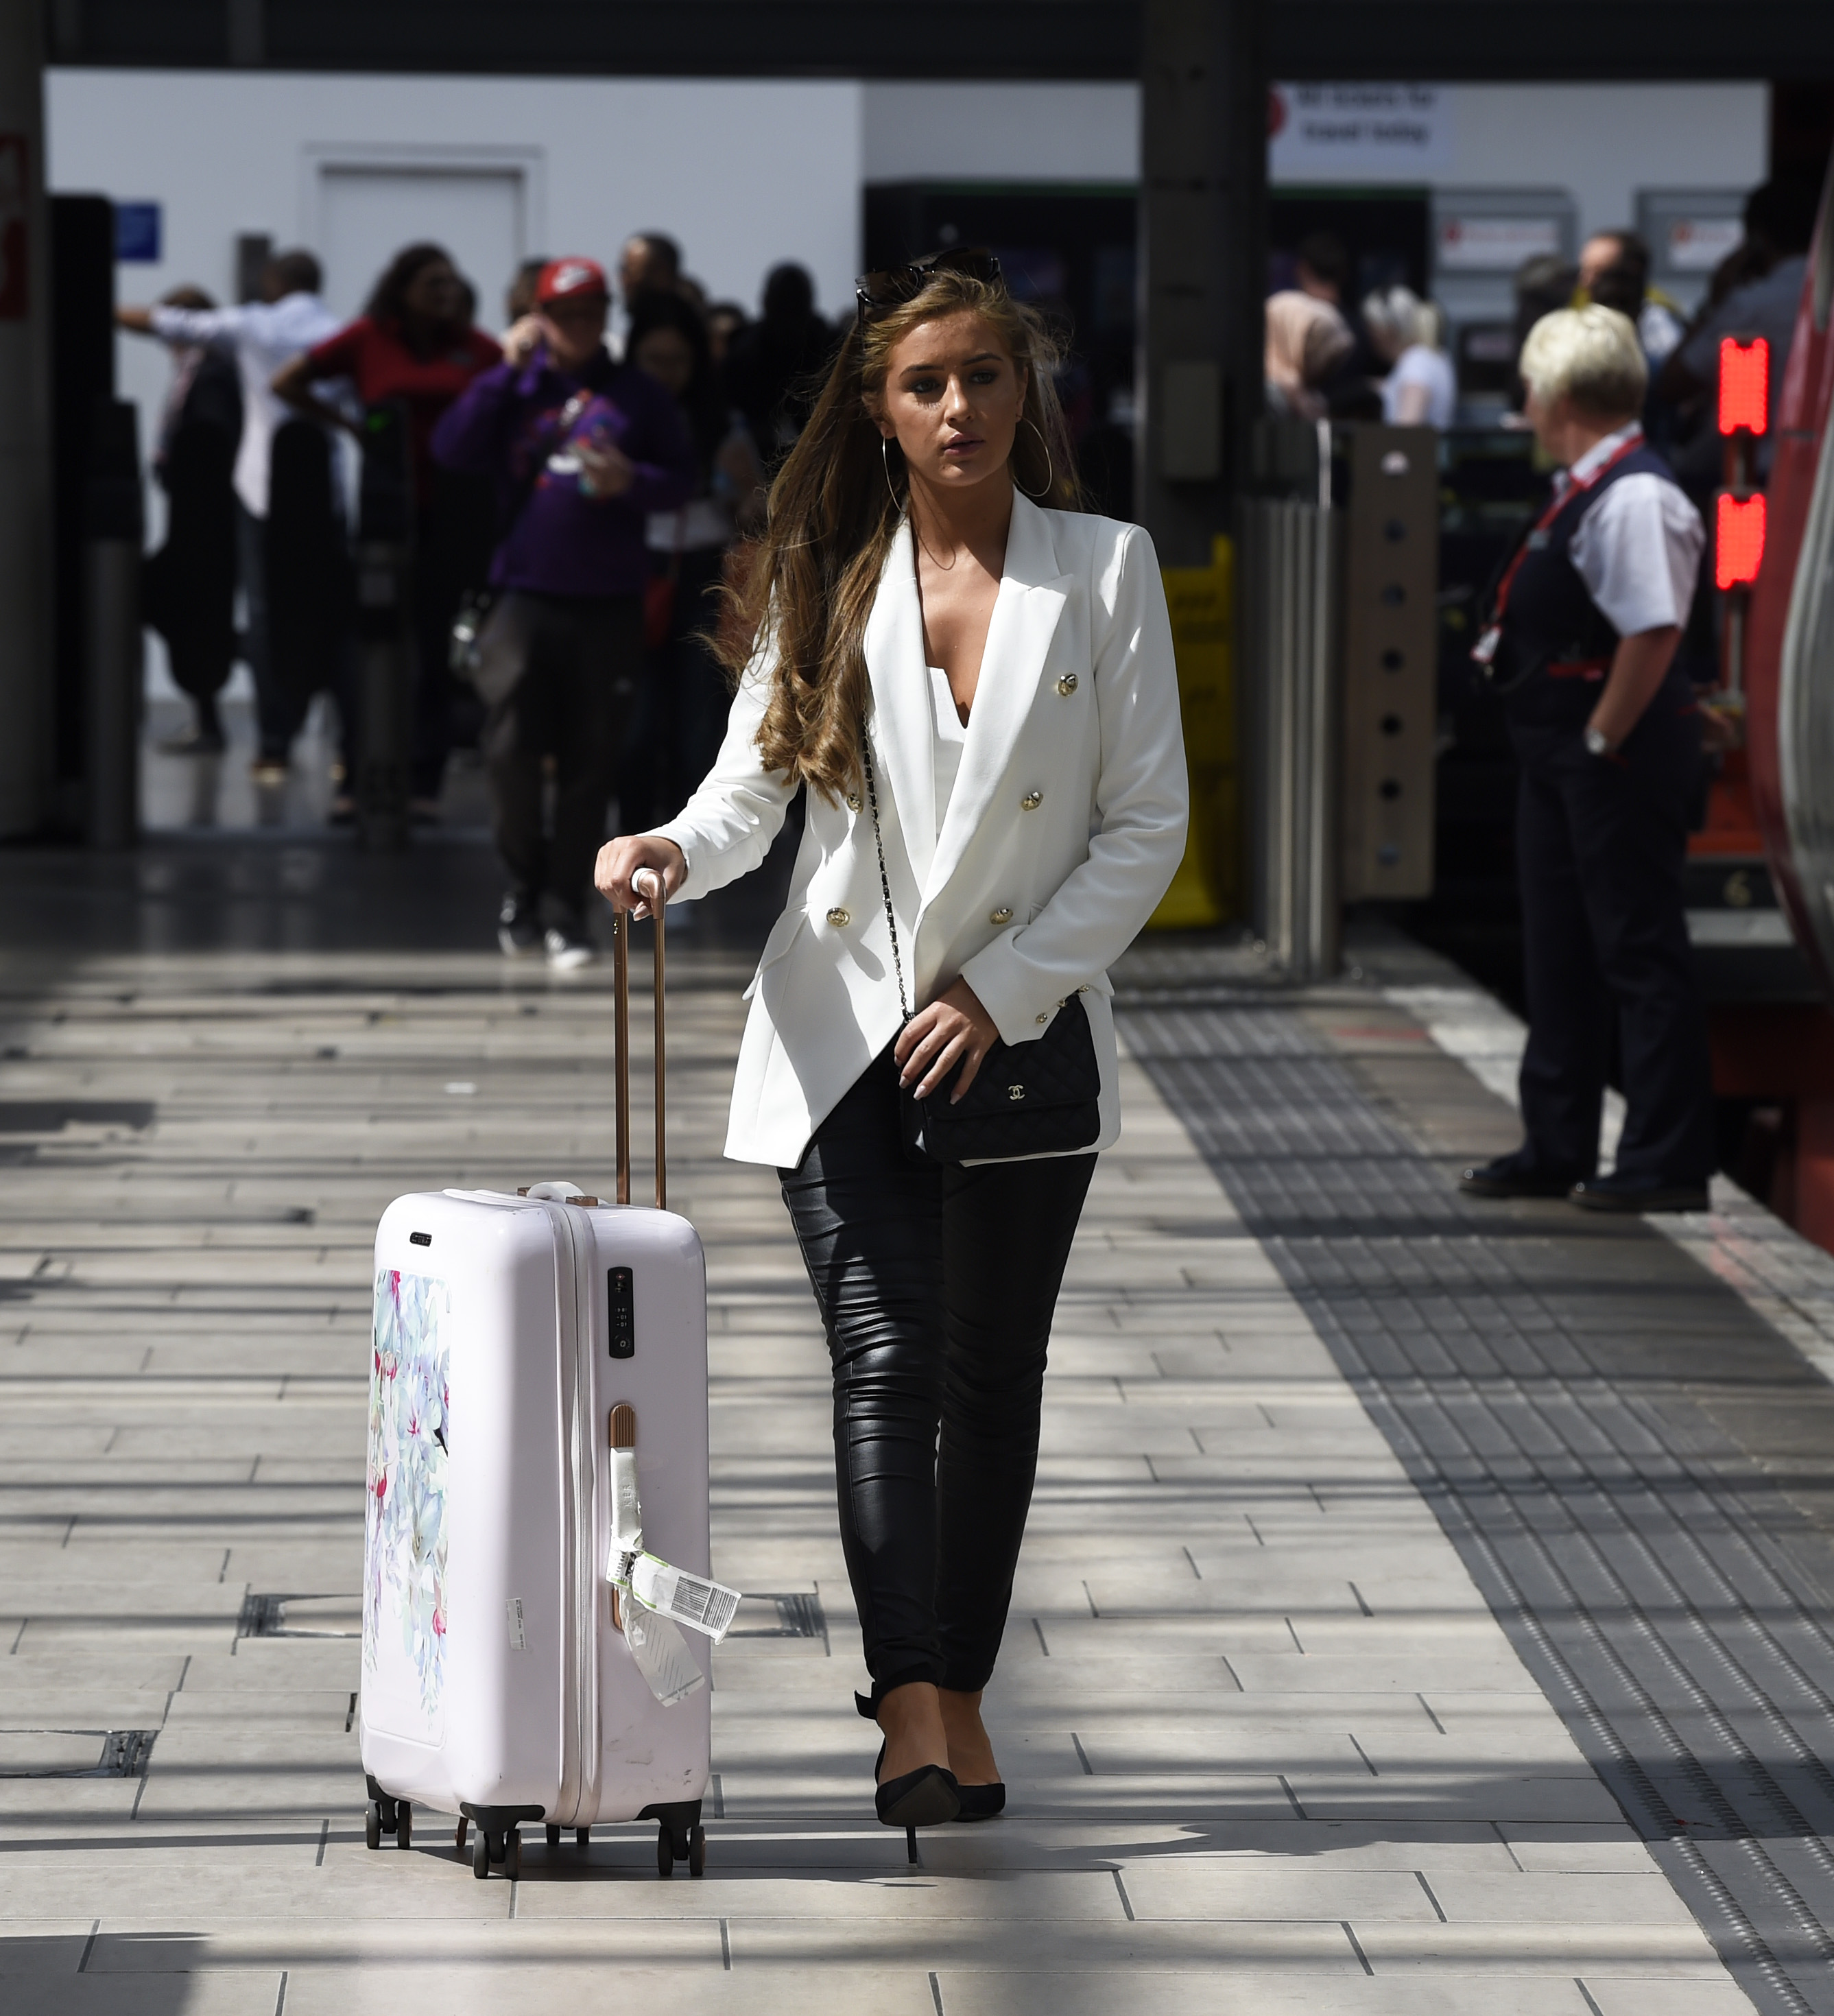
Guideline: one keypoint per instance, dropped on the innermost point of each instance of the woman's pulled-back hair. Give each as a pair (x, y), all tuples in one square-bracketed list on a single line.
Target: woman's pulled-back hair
[(837, 506)]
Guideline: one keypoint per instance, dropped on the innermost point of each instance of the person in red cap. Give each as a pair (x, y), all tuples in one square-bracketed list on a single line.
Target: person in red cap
[(581, 449)]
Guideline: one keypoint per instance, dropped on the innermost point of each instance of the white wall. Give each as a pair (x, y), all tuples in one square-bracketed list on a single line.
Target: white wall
[(1000, 132), (743, 173)]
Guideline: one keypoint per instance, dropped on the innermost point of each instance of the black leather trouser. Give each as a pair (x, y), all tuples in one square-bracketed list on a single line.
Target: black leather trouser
[(1601, 845), (936, 1287)]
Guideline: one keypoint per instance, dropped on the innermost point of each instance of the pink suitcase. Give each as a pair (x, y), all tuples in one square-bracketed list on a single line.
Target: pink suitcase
[(497, 1684)]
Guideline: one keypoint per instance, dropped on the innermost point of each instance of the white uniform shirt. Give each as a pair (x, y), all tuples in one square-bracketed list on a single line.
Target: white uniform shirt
[(1637, 549), (262, 336)]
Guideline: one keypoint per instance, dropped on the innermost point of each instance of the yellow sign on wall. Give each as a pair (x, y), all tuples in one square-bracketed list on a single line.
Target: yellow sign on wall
[(1206, 889)]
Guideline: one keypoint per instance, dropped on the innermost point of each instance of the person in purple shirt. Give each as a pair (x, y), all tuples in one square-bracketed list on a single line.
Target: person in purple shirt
[(582, 450)]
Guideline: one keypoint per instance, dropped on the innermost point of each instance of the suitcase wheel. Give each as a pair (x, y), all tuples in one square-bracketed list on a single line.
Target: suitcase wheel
[(553, 1834), (404, 1824), (460, 1832), (505, 1846), (690, 1848), (372, 1825), (583, 1836)]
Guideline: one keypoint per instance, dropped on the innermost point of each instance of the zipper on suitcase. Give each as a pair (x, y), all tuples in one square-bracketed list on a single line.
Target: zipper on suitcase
[(578, 1795)]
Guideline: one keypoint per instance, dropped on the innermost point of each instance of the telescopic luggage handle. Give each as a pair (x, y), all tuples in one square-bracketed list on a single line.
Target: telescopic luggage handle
[(655, 895)]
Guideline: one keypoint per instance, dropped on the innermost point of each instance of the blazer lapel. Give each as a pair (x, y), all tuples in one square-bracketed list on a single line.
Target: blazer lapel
[(904, 729), (1031, 599)]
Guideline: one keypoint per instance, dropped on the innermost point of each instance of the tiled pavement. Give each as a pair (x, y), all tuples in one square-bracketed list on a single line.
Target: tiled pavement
[(1266, 1748)]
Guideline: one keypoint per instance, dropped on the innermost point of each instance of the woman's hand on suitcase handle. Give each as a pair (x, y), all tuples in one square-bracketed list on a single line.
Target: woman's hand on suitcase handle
[(955, 1029), (621, 860)]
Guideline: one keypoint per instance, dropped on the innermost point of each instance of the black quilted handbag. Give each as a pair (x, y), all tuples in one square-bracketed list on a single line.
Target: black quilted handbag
[(1042, 1098)]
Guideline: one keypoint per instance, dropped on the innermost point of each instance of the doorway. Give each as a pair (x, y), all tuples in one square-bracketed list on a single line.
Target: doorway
[(368, 211)]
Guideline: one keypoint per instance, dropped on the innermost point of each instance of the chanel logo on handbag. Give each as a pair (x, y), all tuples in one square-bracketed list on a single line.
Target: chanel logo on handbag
[(1015, 1092)]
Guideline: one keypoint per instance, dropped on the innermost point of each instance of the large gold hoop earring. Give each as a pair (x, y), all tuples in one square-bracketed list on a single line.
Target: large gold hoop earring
[(1050, 466), (885, 458)]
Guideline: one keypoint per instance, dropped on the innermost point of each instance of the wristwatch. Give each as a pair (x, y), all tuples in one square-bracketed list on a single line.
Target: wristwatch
[(1598, 742)]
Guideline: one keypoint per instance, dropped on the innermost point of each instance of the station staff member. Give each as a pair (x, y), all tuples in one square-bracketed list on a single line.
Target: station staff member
[(1581, 640)]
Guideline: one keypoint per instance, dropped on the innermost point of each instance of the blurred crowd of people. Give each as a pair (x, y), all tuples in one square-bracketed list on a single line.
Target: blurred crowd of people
[(1330, 356), (569, 494)]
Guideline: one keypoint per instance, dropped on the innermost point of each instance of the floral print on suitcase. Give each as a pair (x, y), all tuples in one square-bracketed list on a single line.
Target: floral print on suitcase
[(404, 1549)]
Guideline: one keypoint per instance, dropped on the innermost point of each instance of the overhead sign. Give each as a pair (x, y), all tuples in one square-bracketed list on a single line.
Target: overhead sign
[(1393, 132), (1495, 244)]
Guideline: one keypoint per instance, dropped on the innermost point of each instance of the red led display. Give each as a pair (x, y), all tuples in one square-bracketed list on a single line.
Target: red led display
[(1739, 546), (1744, 386)]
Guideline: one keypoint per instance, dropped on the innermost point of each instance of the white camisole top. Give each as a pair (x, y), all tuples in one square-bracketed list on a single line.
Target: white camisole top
[(951, 733)]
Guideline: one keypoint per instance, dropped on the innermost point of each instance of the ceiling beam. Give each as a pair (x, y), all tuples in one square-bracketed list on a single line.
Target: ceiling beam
[(1442, 41)]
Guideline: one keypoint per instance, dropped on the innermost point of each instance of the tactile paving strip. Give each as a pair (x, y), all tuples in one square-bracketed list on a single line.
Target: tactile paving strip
[(1629, 1553)]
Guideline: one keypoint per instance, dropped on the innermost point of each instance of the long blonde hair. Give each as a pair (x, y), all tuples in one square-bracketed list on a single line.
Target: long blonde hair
[(837, 506)]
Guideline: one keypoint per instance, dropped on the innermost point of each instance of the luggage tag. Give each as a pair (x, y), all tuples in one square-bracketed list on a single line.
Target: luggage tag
[(702, 1606), (661, 1654), (654, 1598)]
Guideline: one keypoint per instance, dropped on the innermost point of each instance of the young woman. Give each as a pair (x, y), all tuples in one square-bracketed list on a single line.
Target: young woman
[(979, 694)]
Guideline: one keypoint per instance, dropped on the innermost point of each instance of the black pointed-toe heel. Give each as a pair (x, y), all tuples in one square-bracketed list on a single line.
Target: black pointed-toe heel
[(981, 1802), (927, 1797)]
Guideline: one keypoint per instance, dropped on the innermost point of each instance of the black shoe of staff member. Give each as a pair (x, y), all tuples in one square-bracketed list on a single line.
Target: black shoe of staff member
[(1515, 1176), (1626, 1195)]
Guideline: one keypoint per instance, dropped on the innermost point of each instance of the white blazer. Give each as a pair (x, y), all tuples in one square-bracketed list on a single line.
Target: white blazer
[(1064, 828)]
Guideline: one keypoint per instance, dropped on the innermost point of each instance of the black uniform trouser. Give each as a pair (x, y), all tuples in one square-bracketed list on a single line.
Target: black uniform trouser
[(1601, 843), (936, 1287), (577, 659)]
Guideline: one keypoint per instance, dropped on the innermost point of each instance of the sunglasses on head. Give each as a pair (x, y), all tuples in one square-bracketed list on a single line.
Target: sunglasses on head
[(876, 292)]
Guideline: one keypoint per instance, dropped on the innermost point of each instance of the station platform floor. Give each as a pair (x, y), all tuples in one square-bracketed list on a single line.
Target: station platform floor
[(1425, 1608)]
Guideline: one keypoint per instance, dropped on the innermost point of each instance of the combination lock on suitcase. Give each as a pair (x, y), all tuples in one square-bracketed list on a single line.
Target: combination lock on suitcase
[(510, 1676)]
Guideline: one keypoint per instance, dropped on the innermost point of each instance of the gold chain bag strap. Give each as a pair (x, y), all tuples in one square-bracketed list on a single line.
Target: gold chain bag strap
[(1040, 1098)]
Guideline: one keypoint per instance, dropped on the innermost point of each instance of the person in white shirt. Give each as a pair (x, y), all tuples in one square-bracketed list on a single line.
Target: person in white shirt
[(975, 682), (1581, 640), (1421, 389), (290, 319)]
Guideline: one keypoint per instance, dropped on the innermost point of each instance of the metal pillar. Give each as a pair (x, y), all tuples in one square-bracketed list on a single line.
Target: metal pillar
[(1291, 697), (1203, 255), (25, 400)]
